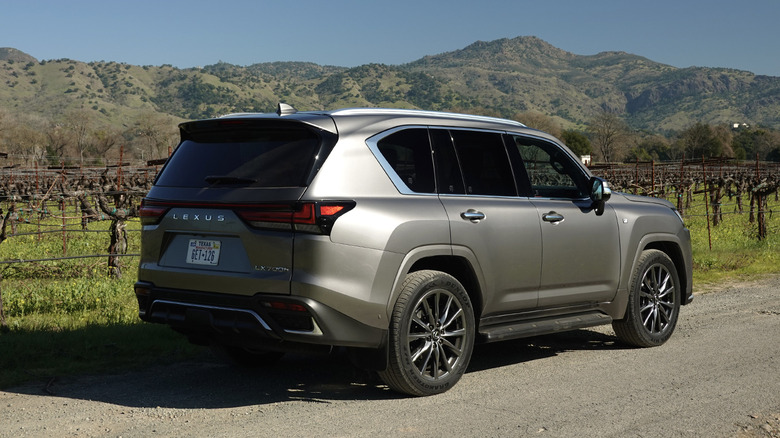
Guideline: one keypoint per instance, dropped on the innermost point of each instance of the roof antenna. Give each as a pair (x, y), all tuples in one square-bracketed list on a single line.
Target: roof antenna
[(284, 109)]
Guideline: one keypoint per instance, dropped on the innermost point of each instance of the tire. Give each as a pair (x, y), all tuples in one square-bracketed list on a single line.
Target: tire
[(247, 357), (653, 302), (431, 336)]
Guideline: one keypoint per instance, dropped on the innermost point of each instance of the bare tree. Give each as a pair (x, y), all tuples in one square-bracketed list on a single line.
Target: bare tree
[(4, 118), (58, 140), (607, 132), (80, 122), (699, 140), (539, 121), (104, 139), (25, 139), (157, 132)]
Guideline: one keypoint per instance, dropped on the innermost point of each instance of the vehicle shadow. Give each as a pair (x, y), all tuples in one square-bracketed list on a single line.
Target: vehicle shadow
[(504, 353), (320, 378)]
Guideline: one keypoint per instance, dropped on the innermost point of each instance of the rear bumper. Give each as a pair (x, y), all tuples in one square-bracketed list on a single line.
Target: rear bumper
[(260, 321)]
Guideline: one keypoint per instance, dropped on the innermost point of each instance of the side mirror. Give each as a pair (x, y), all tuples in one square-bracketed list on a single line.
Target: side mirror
[(599, 193)]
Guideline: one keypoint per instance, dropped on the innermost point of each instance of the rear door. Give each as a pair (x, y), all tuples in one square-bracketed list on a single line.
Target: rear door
[(487, 218)]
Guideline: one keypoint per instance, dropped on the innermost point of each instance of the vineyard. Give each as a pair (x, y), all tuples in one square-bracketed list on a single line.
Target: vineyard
[(69, 240), (52, 208), (722, 186), (40, 207)]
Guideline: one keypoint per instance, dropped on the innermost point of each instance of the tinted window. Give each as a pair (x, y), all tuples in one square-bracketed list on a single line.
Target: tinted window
[(448, 177), (409, 154), (484, 163), (271, 157), (551, 171)]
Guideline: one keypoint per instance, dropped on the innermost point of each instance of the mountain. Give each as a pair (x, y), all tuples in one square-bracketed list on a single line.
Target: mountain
[(504, 77), (9, 54)]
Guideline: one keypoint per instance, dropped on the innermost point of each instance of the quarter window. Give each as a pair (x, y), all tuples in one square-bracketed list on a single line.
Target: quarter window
[(409, 154)]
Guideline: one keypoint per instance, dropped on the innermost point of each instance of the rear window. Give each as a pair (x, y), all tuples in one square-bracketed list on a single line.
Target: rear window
[(269, 157)]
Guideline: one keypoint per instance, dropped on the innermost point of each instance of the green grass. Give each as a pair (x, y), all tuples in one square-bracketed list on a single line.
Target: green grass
[(69, 317), (736, 252)]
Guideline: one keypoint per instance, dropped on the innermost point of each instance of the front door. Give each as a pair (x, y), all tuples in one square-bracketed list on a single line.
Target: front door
[(580, 255)]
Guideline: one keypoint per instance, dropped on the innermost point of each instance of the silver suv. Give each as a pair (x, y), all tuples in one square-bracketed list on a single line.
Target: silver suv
[(404, 236)]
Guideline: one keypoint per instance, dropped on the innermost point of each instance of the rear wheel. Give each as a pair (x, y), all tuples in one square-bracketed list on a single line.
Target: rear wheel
[(653, 302), (431, 335)]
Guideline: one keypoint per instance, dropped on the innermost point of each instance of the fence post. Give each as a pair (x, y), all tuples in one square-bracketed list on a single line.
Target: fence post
[(3, 229), (119, 168), (680, 185), (762, 206), (706, 201), (3, 324), (652, 178), (38, 191)]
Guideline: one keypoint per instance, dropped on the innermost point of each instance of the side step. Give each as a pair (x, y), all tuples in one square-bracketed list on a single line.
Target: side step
[(542, 326)]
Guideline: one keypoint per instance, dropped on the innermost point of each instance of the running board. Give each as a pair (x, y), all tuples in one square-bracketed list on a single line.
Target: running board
[(542, 326)]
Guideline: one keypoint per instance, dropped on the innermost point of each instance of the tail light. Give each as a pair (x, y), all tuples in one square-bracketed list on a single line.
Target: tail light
[(308, 217), (151, 212)]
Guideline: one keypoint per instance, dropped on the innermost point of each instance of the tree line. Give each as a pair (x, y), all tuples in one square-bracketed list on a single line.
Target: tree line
[(81, 137), (609, 139)]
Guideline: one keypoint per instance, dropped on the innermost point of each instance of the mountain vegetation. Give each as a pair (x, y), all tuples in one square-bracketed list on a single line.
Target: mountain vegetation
[(523, 78)]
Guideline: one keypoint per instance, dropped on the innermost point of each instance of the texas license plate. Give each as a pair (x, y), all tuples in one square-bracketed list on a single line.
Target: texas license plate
[(203, 252)]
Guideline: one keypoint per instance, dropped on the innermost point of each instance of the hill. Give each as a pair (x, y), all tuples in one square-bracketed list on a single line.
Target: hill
[(504, 77)]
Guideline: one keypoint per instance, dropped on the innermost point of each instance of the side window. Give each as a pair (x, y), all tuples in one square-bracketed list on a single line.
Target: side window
[(409, 154), (484, 163), (551, 171), (448, 177)]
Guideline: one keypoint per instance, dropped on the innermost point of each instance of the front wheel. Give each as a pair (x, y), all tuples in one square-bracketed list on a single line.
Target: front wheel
[(431, 335), (653, 302)]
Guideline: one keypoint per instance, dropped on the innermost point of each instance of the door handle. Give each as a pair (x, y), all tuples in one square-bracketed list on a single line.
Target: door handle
[(472, 215), (552, 217)]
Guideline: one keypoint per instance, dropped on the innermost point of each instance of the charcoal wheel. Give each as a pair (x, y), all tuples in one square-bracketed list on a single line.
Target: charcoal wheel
[(653, 302), (431, 335)]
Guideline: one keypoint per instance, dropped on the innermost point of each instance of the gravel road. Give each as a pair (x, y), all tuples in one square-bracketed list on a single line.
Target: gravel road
[(718, 376)]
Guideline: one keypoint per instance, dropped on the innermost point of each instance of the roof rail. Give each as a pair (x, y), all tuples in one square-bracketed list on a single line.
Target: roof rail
[(421, 113)]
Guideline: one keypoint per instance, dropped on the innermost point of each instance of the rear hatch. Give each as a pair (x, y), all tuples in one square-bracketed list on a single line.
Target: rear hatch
[(224, 210)]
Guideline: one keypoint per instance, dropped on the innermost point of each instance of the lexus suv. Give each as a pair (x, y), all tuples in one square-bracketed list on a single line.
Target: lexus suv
[(402, 236)]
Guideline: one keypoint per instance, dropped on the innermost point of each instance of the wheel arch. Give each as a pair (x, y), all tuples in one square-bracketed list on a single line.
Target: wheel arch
[(674, 251), (459, 263), (461, 269)]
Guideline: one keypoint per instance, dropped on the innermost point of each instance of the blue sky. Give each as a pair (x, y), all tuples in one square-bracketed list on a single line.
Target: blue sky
[(741, 34)]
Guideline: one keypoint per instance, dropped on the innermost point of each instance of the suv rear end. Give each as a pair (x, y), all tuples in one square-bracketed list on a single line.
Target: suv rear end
[(223, 225)]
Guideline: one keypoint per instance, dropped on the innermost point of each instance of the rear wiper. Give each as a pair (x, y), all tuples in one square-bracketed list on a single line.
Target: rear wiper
[(225, 179)]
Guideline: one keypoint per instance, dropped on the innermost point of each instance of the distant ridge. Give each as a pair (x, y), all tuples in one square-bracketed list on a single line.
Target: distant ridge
[(504, 77), (10, 54)]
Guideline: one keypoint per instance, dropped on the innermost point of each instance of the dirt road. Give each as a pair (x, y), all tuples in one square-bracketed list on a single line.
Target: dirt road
[(719, 376)]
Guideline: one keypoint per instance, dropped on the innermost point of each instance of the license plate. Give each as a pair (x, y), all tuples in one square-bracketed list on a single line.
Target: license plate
[(203, 252)]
